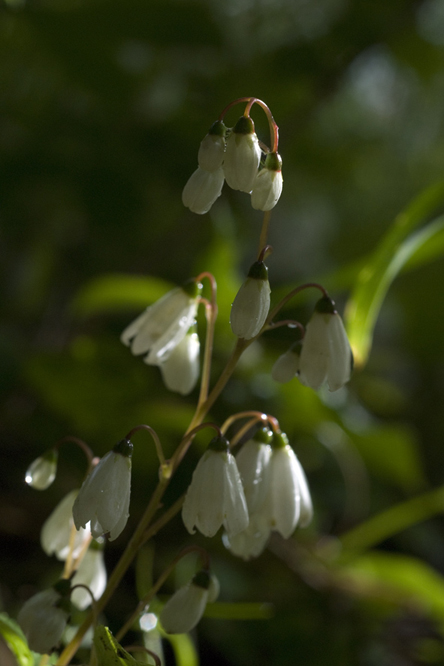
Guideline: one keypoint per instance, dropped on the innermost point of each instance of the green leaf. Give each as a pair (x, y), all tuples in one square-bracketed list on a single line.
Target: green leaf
[(390, 257), (111, 293), (108, 650), (16, 641)]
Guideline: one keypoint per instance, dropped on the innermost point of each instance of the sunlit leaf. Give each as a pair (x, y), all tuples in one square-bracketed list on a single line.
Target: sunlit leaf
[(108, 650), (16, 641), (395, 250)]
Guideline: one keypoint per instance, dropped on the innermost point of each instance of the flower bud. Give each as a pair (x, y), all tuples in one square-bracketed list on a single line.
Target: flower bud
[(44, 616), (202, 190), (180, 371), (252, 303), (242, 156), (42, 472), (212, 148), (267, 186), (287, 365), (185, 608), (252, 462)]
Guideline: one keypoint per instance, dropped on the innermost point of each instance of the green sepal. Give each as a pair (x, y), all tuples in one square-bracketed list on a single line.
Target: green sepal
[(258, 271), (192, 288), (325, 305), (218, 129), (219, 444), (244, 126), (202, 579), (124, 447), (280, 440), (273, 162), (263, 435)]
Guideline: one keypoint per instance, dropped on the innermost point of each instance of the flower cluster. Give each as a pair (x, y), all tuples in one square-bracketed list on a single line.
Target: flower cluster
[(233, 155), (323, 356)]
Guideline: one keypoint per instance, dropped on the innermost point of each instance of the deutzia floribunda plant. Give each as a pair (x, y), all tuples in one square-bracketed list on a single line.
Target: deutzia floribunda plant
[(252, 303), (56, 534), (215, 496), (242, 156), (104, 496), (44, 616), (164, 324), (180, 371), (184, 609), (267, 186), (326, 355), (42, 471)]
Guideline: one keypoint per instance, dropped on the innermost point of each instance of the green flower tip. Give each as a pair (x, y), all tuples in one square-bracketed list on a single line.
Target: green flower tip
[(217, 129), (244, 126), (325, 305), (273, 162), (280, 440), (202, 579), (219, 444), (263, 435), (124, 447), (192, 288), (258, 271)]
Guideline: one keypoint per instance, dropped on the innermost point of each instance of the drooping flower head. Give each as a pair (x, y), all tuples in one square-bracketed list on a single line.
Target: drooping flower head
[(252, 303), (252, 462), (267, 186), (242, 156), (163, 325), (212, 147), (185, 608), (56, 531), (104, 496), (215, 496), (92, 573), (287, 365), (42, 471), (180, 371), (44, 616), (326, 355)]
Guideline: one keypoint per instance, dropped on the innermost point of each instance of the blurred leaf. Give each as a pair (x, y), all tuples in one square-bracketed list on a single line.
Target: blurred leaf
[(108, 650), (184, 650), (239, 611), (109, 293), (16, 641), (386, 262)]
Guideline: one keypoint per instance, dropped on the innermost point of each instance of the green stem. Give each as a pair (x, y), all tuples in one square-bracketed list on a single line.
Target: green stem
[(394, 520)]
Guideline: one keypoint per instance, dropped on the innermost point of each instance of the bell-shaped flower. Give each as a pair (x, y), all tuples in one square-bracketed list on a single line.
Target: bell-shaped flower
[(287, 365), (104, 496), (267, 187), (42, 471), (160, 328), (215, 496), (252, 462), (251, 541), (55, 536), (184, 609), (326, 355), (44, 616), (252, 303), (242, 156), (202, 189), (92, 573), (180, 371), (288, 500), (212, 148)]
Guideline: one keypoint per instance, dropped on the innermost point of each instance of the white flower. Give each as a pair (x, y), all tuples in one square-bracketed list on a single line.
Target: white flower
[(180, 371), (287, 366), (92, 573), (212, 148), (251, 541), (56, 531), (44, 616), (326, 355), (288, 499), (252, 462), (252, 303), (161, 327), (104, 496), (202, 190), (242, 156), (185, 608), (42, 471), (215, 496), (267, 187)]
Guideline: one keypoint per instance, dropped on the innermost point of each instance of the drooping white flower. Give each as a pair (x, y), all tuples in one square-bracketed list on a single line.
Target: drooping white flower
[(242, 156), (267, 186), (212, 148), (162, 326), (44, 616), (252, 540), (104, 496), (287, 365), (92, 573), (42, 471), (202, 189), (326, 354), (56, 531), (288, 500), (252, 462), (215, 496), (180, 371), (185, 608), (252, 303)]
